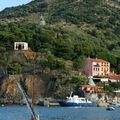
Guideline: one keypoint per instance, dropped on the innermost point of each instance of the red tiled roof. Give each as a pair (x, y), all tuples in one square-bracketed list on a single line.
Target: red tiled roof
[(115, 77), (98, 60)]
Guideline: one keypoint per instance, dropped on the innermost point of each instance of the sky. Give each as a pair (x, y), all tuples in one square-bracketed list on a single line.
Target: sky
[(12, 3)]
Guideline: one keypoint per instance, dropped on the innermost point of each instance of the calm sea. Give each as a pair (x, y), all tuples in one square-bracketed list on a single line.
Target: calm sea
[(59, 113)]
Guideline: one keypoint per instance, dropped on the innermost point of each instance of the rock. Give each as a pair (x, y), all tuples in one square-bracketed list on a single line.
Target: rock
[(10, 93), (102, 104)]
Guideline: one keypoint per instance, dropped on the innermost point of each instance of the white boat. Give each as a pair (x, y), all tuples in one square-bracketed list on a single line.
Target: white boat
[(75, 100)]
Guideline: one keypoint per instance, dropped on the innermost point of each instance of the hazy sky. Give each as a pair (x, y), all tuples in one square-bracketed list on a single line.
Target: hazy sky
[(11, 3)]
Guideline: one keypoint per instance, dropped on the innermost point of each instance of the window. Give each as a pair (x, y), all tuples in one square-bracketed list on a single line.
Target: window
[(82, 99), (102, 63)]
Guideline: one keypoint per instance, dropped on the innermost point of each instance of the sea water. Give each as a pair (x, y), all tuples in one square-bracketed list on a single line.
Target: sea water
[(59, 113)]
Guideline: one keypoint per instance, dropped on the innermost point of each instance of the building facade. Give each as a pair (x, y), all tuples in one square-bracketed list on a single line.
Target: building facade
[(20, 46), (96, 67)]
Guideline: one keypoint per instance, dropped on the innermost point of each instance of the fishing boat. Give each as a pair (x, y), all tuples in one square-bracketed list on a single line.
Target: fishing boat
[(77, 101)]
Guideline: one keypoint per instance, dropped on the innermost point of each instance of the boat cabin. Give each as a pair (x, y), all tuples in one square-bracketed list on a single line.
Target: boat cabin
[(77, 99)]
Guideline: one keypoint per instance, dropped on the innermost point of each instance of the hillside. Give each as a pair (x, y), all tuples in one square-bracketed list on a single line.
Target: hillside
[(89, 23), (100, 14), (75, 11), (74, 30)]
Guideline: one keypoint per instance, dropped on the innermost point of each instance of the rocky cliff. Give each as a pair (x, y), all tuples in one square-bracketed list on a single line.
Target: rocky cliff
[(10, 92)]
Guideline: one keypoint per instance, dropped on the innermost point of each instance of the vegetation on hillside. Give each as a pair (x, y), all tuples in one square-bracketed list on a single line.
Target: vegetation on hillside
[(24, 10), (75, 30), (61, 42)]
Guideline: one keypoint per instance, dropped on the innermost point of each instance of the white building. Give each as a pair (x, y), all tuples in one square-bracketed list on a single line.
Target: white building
[(20, 46)]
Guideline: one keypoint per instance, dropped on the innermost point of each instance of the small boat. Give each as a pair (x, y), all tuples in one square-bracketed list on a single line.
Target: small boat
[(110, 108), (76, 101), (2, 105)]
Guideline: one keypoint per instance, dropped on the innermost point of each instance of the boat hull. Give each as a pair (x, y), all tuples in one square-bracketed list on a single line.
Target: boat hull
[(72, 104)]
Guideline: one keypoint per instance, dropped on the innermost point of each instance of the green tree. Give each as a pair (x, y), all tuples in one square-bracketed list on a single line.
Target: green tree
[(64, 48), (14, 68), (79, 63)]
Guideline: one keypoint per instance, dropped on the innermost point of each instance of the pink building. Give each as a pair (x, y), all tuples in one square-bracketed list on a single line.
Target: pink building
[(96, 67)]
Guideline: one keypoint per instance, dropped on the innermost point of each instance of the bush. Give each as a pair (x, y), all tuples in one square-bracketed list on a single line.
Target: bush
[(75, 80)]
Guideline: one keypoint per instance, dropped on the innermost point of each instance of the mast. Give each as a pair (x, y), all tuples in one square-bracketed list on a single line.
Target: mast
[(29, 105)]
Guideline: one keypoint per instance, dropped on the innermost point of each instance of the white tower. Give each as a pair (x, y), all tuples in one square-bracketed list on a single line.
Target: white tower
[(42, 20)]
